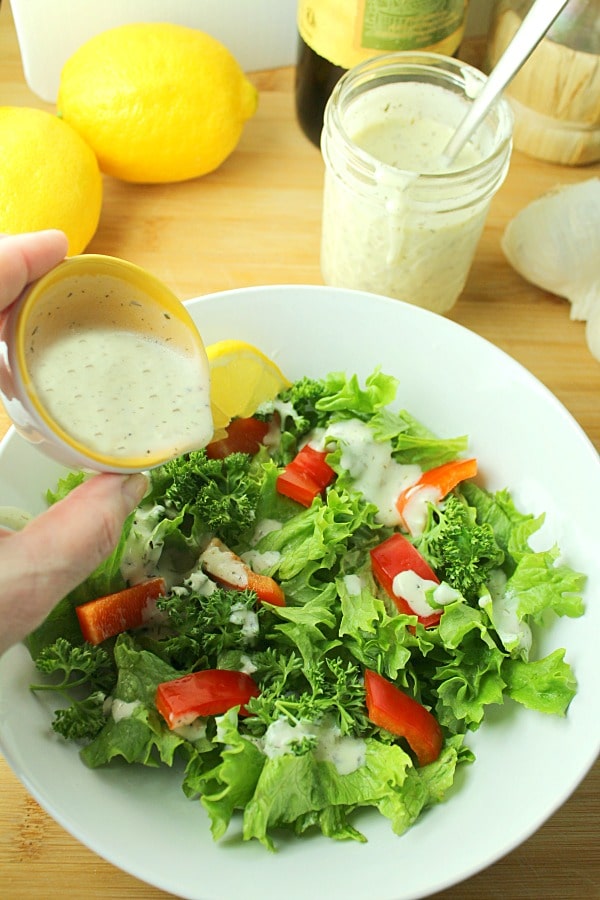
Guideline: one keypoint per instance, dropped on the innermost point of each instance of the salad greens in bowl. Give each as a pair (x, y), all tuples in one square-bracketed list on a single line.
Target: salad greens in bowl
[(354, 632)]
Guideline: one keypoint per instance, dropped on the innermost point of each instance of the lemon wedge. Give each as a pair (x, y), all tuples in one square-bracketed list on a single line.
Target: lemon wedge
[(241, 378)]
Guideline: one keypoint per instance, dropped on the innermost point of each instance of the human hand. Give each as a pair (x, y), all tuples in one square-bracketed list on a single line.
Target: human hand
[(57, 550), (25, 257)]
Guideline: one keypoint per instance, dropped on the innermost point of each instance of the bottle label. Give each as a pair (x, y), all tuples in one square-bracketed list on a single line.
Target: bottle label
[(346, 32)]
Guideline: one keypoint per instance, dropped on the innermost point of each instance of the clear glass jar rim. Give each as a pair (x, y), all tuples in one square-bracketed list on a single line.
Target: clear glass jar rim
[(406, 62)]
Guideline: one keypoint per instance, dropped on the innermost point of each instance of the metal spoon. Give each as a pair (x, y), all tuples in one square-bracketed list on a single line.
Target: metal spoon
[(532, 29)]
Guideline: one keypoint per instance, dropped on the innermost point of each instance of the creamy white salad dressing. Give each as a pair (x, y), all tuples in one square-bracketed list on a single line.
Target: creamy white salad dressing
[(246, 665), (501, 606), (247, 618), (196, 581), (261, 562), (284, 410), (444, 594), (199, 582), (141, 554), (415, 590), (122, 393), (345, 752), (120, 709), (384, 229), (370, 463), (194, 731), (189, 720), (264, 526), (414, 514), (410, 139), (353, 585)]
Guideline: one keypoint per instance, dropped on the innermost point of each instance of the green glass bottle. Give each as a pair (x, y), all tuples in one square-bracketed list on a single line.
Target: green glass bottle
[(335, 35)]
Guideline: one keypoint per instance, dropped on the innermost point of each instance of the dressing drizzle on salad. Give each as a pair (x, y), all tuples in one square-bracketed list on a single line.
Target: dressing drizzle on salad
[(357, 682)]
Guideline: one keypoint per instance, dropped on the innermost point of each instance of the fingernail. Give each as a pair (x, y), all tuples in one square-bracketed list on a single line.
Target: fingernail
[(134, 487)]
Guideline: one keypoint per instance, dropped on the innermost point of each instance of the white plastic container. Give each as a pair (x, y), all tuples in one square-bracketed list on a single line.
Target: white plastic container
[(261, 34)]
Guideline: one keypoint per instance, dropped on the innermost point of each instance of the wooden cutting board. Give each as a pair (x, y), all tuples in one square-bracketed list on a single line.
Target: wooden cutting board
[(257, 221)]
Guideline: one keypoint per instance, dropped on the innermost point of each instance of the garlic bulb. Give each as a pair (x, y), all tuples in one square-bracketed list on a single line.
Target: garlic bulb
[(554, 242)]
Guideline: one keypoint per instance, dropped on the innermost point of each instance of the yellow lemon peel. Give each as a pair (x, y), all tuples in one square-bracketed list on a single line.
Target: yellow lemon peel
[(157, 102), (241, 378), (49, 177)]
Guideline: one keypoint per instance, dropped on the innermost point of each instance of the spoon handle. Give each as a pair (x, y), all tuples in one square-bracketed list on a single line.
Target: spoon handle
[(532, 29)]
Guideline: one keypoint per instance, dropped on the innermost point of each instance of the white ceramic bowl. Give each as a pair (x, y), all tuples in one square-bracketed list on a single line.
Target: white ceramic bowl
[(527, 763)]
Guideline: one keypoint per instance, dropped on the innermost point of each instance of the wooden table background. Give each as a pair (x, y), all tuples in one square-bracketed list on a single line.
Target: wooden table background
[(254, 221)]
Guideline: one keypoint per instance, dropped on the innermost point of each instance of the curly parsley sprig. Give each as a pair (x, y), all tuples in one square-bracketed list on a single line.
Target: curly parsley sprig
[(77, 665)]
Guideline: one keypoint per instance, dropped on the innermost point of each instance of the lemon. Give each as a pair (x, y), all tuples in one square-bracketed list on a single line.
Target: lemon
[(241, 378), (157, 102), (49, 177)]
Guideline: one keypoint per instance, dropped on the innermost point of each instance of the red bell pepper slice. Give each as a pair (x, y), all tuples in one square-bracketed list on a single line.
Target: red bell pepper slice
[(225, 567), (244, 435), (435, 484), (397, 712), (207, 693), (110, 615), (297, 486), (306, 476), (394, 555)]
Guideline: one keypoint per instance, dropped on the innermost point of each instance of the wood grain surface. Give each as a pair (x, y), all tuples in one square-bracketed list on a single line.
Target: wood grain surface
[(257, 221)]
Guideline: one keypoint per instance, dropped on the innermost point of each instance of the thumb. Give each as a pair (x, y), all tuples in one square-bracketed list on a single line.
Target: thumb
[(25, 257), (57, 550)]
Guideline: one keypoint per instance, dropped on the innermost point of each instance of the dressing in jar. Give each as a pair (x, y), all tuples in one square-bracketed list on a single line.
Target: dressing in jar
[(398, 219)]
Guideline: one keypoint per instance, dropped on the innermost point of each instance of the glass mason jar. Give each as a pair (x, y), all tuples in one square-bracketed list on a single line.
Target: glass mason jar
[(397, 219), (555, 97)]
